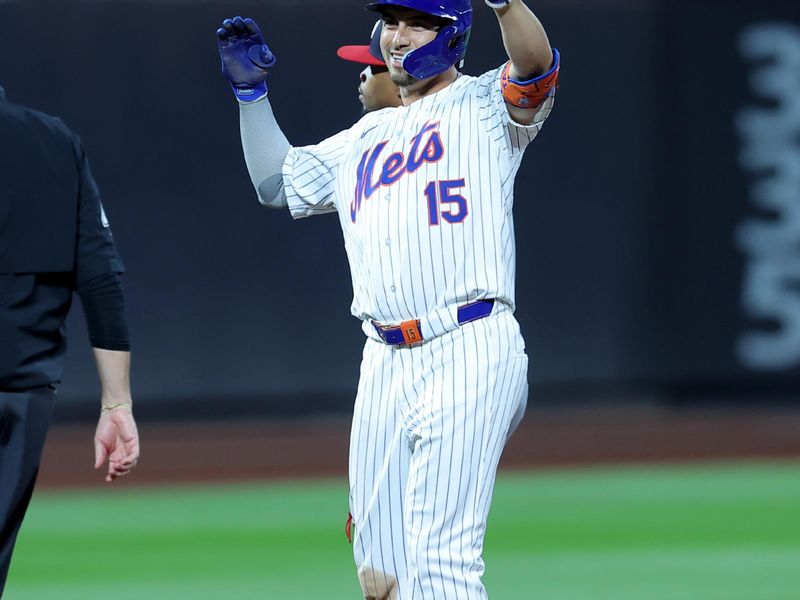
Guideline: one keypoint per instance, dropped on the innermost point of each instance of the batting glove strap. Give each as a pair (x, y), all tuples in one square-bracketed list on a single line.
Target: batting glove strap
[(248, 93), (495, 4)]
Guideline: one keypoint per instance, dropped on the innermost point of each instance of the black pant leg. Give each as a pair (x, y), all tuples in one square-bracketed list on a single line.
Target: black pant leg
[(24, 420)]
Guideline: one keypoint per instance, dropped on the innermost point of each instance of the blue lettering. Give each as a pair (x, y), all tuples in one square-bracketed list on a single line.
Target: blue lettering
[(369, 187), (395, 166), (414, 160), (355, 205)]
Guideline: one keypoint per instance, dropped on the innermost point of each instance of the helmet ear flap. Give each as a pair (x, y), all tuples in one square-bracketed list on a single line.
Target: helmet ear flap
[(435, 57)]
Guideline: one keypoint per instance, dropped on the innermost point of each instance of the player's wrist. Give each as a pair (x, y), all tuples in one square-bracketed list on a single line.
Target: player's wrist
[(249, 93), (112, 406), (115, 400), (497, 4)]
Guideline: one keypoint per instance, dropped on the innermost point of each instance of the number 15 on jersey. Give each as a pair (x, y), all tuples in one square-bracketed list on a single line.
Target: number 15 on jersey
[(444, 201)]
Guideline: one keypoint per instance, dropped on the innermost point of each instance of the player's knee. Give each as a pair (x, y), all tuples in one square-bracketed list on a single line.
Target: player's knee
[(376, 584)]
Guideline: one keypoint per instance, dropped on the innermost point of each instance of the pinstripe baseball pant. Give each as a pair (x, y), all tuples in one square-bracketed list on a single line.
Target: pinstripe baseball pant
[(429, 426)]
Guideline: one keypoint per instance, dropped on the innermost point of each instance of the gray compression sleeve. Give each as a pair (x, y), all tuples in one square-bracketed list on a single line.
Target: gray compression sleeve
[(265, 148)]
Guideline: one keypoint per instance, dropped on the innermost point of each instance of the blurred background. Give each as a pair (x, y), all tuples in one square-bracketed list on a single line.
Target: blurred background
[(658, 290)]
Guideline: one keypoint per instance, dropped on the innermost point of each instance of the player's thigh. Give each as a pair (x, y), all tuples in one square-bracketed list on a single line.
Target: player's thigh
[(379, 457), (519, 414), (474, 385), (375, 419)]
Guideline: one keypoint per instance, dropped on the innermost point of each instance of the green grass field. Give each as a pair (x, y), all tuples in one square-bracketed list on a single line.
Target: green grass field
[(706, 532)]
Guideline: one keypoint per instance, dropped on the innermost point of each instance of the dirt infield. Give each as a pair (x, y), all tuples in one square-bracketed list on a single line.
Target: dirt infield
[(245, 450)]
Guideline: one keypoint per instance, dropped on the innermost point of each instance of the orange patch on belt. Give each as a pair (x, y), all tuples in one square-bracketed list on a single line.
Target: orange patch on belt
[(410, 331)]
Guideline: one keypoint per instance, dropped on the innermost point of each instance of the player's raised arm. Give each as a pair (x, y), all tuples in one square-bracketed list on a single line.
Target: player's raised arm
[(246, 61), (533, 71), (524, 38)]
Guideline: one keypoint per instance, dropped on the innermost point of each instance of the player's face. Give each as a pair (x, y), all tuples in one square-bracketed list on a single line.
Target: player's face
[(377, 90), (405, 30)]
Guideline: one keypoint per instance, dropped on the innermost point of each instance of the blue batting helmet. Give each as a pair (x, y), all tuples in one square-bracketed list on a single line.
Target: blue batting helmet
[(450, 44)]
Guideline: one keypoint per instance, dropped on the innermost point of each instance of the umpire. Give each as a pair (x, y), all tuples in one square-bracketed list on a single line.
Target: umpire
[(54, 240)]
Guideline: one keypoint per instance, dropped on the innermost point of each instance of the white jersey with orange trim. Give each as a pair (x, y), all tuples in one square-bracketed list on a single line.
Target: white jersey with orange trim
[(424, 195)]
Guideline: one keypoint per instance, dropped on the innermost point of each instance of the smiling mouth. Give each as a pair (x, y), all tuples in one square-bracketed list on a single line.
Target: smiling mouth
[(396, 59)]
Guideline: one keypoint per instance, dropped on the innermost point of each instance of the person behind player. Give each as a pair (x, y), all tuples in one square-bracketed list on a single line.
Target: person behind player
[(376, 90), (424, 195), (55, 241)]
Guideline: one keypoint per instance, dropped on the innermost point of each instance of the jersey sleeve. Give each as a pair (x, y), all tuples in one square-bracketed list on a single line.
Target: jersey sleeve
[(96, 253), (513, 137), (309, 176)]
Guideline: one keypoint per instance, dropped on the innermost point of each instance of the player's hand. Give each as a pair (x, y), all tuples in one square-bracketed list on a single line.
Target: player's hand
[(246, 59), (116, 440)]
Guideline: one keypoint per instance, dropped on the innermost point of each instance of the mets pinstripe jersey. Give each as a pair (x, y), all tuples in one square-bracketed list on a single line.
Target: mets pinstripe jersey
[(424, 195)]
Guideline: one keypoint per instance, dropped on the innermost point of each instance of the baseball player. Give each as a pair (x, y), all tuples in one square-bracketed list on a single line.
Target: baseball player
[(424, 196), (376, 90)]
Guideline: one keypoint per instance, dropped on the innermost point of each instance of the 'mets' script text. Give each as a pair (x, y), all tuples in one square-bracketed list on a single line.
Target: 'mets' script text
[(426, 147)]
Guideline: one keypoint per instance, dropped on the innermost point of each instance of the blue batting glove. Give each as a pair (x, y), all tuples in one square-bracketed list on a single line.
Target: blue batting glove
[(246, 60)]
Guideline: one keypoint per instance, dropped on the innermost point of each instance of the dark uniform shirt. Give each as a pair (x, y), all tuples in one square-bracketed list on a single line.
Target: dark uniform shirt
[(54, 240)]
